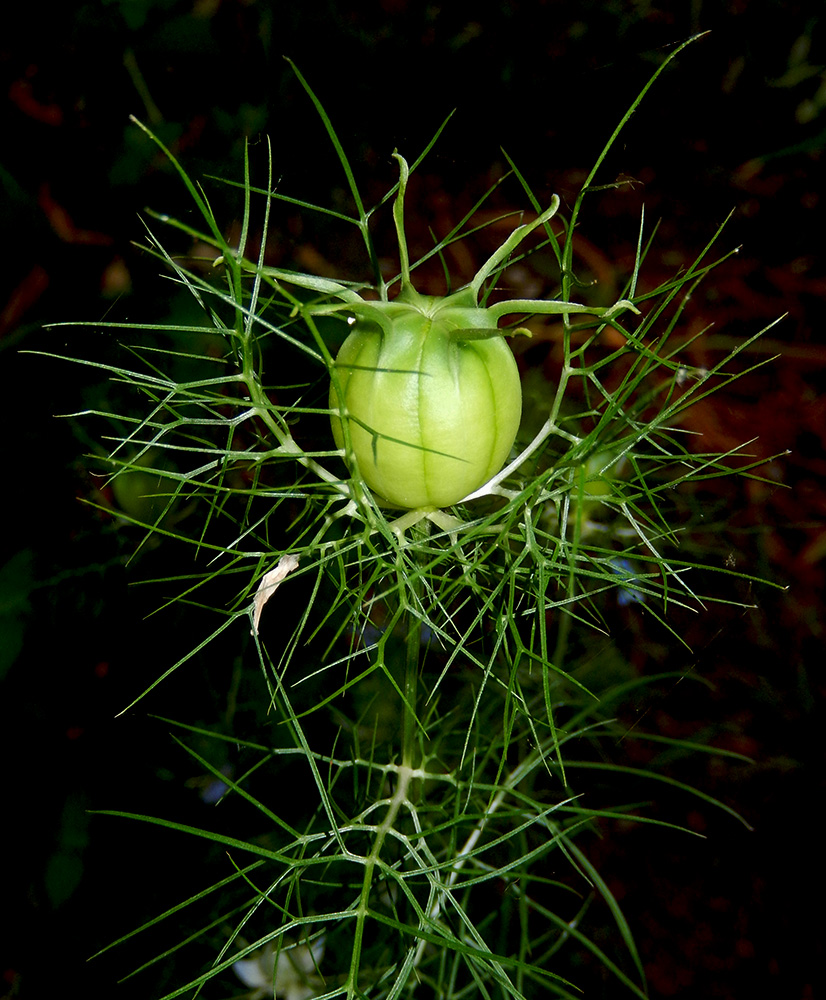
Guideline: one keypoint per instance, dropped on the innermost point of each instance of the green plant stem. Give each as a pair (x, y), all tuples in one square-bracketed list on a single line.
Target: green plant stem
[(412, 664), (407, 771), (404, 776), (411, 681)]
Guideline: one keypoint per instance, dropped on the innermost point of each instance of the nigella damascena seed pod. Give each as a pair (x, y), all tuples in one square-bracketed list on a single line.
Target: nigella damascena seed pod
[(432, 404)]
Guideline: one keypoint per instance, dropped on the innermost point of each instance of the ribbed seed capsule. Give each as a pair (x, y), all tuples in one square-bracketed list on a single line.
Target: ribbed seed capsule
[(432, 414), (427, 385)]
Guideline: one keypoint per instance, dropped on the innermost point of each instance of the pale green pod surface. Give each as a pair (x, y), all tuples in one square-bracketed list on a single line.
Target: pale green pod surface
[(432, 416)]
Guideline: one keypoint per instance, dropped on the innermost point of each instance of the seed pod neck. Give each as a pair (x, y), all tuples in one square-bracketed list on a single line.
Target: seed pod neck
[(456, 316)]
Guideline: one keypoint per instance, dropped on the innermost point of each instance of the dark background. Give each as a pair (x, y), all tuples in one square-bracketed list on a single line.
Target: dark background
[(737, 123)]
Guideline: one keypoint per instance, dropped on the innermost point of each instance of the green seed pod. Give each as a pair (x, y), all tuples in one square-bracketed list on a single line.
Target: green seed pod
[(432, 405), (426, 386)]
